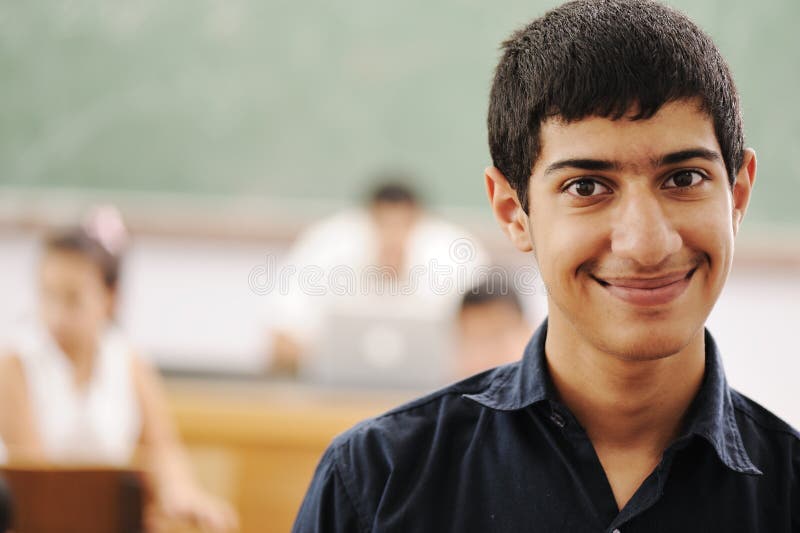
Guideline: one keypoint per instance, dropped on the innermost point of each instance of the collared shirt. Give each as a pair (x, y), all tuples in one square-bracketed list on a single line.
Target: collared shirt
[(499, 453)]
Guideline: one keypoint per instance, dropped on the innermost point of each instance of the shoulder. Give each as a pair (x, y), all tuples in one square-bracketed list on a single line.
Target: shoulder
[(408, 436), (342, 223), (13, 381), (448, 242), (433, 230), (331, 238), (12, 369), (28, 340), (444, 406), (772, 443), (10, 361), (387, 459), (763, 419), (142, 372)]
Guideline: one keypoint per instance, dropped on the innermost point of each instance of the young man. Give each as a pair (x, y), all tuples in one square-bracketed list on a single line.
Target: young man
[(616, 138)]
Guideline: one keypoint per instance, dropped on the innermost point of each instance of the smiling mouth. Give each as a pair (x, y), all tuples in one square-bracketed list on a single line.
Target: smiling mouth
[(658, 290)]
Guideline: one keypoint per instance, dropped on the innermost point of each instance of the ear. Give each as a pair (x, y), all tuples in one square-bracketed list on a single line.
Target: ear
[(507, 209), (743, 187)]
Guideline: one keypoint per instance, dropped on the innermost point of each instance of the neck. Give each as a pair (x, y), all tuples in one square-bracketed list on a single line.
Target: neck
[(624, 404), (82, 356)]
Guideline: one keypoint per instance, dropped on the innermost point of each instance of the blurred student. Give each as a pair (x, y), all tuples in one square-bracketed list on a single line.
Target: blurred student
[(72, 390), (389, 242), (491, 329)]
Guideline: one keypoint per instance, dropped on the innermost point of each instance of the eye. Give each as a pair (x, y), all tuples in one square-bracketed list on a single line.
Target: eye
[(585, 187), (684, 179)]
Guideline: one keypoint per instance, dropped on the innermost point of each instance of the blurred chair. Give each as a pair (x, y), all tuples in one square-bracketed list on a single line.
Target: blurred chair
[(81, 500), (5, 507)]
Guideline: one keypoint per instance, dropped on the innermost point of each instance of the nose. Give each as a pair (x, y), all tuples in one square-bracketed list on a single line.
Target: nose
[(643, 231)]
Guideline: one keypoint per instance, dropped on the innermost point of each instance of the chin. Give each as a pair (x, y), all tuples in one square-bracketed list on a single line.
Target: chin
[(642, 343)]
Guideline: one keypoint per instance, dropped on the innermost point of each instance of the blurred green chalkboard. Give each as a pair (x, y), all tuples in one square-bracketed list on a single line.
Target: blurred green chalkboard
[(307, 99)]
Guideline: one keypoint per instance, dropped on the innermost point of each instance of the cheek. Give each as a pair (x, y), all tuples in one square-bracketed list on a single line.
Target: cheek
[(74, 314), (52, 313), (565, 243), (95, 309), (709, 231)]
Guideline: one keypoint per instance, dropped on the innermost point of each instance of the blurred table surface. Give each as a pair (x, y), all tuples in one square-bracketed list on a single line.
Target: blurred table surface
[(257, 443)]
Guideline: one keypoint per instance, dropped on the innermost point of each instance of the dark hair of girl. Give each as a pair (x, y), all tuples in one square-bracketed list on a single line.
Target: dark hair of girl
[(101, 239)]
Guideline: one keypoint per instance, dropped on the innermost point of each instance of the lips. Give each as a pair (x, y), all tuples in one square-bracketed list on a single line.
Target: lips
[(649, 291)]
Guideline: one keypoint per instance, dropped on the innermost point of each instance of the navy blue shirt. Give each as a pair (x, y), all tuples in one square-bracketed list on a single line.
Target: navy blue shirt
[(499, 453)]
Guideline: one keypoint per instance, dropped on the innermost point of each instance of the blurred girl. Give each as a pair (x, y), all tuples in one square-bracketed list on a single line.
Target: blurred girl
[(73, 391)]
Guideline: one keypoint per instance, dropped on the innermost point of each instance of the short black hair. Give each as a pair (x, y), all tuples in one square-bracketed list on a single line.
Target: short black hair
[(487, 292), (78, 241), (604, 58)]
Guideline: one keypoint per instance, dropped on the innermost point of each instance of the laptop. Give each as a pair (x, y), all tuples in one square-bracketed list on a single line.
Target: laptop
[(371, 349)]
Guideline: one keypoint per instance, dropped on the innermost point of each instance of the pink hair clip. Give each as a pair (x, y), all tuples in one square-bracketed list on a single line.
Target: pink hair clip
[(104, 224)]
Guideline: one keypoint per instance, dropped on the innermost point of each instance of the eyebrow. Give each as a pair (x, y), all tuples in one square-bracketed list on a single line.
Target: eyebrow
[(685, 155), (664, 160)]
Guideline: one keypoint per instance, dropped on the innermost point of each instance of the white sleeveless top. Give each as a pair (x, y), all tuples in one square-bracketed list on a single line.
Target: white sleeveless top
[(99, 423)]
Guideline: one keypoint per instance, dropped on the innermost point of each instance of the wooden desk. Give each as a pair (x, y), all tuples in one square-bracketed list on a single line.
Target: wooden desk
[(257, 444)]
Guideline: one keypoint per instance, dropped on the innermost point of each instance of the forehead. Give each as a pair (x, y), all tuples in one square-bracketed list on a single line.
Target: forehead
[(64, 264), (677, 125)]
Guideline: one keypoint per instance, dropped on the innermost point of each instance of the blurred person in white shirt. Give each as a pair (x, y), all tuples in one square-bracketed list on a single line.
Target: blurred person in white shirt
[(390, 252)]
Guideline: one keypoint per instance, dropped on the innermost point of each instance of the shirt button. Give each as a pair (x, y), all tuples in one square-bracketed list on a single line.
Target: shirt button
[(559, 421)]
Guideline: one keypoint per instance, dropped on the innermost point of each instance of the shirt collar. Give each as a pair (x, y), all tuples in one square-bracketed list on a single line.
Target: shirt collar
[(711, 414)]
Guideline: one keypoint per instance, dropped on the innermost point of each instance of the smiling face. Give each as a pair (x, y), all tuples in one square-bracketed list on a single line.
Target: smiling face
[(632, 223)]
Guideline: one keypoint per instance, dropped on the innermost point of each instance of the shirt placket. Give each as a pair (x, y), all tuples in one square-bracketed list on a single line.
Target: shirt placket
[(596, 487)]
